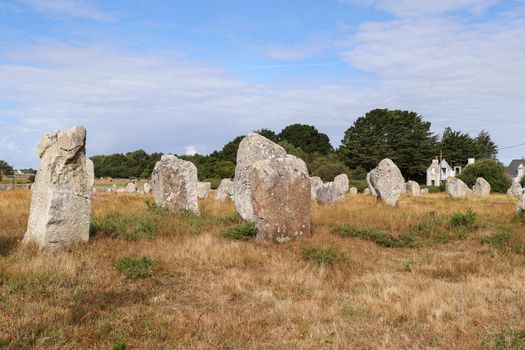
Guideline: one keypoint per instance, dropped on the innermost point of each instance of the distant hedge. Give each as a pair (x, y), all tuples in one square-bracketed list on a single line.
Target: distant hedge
[(489, 169)]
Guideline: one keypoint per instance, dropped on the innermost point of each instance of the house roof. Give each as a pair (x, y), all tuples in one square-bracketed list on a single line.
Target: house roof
[(512, 169)]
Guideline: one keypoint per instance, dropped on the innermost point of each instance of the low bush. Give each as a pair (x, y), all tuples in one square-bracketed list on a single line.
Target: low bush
[(466, 221), (134, 268), (489, 169), (319, 255), (125, 226), (241, 232), (119, 345), (377, 236), (506, 241)]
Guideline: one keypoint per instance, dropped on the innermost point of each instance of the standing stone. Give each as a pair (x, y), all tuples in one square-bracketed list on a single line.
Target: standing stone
[(387, 181), (252, 149), (515, 190), (520, 205), (342, 185), (280, 197), (367, 192), (353, 191), (131, 187), (315, 184), (327, 194), (203, 189), (457, 189), (225, 190), (146, 188), (371, 189), (413, 189), (61, 194), (481, 188), (174, 183), (424, 191)]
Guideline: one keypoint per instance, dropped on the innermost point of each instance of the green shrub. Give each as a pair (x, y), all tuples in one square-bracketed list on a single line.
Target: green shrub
[(214, 183), (434, 189), (466, 221), (155, 208), (241, 232), (507, 340), (134, 268), (489, 169), (319, 255), (377, 236), (359, 184), (521, 215)]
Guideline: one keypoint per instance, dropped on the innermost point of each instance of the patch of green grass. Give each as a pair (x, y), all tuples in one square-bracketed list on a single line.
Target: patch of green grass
[(119, 345), (4, 343), (241, 232), (134, 268), (508, 340), (464, 221), (505, 241), (377, 236), (126, 226), (319, 255)]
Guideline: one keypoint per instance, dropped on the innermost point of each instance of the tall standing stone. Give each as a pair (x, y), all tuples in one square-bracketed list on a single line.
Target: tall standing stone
[(515, 190), (413, 189), (203, 189), (61, 194), (280, 190), (387, 181), (520, 205), (252, 149), (481, 188), (327, 194), (342, 185), (225, 190), (174, 183), (315, 184), (458, 189)]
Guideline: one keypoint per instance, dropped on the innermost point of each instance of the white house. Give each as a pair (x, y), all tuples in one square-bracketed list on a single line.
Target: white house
[(516, 169), (438, 173)]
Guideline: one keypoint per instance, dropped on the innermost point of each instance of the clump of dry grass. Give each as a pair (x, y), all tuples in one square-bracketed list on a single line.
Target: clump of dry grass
[(454, 289)]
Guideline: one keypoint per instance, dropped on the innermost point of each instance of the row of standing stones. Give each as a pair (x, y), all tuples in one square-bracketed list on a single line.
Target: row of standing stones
[(271, 188)]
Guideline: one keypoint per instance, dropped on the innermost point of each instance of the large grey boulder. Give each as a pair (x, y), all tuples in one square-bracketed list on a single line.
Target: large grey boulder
[(315, 183), (458, 189), (327, 194), (252, 149), (481, 188), (225, 190), (342, 185), (61, 194), (371, 190), (203, 189), (174, 183), (515, 189), (280, 198), (387, 181), (413, 189)]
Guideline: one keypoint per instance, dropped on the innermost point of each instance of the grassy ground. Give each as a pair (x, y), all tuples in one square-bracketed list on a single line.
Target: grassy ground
[(430, 274)]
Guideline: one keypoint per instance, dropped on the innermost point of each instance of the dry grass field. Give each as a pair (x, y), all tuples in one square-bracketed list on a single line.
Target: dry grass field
[(428, 275)]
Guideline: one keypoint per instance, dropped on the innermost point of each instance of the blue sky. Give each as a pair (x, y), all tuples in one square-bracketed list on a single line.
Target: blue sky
[(182, 76)]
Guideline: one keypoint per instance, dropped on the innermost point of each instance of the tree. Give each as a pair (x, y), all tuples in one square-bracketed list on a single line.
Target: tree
[(402, 136), (487, 147), (306, 137), (328, 167), (489, 169), (5, 169), (458, 147), (269, 134)]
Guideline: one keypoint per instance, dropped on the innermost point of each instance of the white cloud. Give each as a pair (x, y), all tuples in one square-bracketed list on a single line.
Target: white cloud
[(72, 8), (427, 7), (191, 150)]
